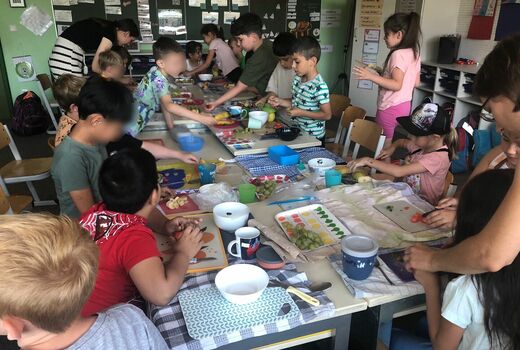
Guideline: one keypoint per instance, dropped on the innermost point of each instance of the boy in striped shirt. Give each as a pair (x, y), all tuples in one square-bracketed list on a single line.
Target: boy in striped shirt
[(310, 104)]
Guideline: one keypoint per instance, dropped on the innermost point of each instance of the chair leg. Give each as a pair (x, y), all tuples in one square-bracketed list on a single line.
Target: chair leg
[(36, 198)]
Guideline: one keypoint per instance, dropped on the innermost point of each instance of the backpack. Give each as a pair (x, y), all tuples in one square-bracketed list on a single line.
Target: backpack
[(462, 161), (29, 116)]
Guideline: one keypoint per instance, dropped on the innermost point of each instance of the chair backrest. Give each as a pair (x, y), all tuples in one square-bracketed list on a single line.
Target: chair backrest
[(5, 206), (350, 114), (7, 140), (338, 103), (44, 83), (449, 185), (367, 134)]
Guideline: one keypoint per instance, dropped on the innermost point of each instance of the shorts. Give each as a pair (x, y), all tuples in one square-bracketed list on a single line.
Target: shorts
[(387, 118)]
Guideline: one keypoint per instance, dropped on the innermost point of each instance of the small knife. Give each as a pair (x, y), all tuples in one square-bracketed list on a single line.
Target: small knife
[(196, 261)]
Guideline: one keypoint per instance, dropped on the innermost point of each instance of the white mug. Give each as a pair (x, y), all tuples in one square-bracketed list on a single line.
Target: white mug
[(247, 243)]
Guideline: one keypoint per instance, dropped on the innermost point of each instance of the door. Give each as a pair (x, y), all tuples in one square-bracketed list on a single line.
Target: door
[(6, 102)]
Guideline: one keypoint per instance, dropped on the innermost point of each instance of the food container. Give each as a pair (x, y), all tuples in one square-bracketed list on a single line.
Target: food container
[(288, 134), (268, 259), (241, 283), (359, 256), (230, 216), (191, 143), (205, 77), (321, 165), (260, 115), (283, 155)]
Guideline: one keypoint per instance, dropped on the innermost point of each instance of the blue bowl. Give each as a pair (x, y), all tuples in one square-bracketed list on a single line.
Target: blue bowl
[(359, 256), (191, 143)]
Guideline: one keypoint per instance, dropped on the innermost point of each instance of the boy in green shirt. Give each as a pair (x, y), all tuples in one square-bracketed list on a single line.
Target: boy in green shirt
[(104, 107), (259, 67)]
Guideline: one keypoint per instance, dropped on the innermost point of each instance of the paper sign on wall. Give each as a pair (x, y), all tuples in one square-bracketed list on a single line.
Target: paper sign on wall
[(209, 17), (370, 47), (372, 34)]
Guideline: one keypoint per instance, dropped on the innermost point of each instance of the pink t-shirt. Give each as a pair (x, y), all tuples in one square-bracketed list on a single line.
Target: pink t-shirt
[(224, 56), (404, 60), (429, 184)]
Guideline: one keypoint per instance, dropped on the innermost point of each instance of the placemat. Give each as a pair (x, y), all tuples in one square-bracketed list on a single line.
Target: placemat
[(208, 314)]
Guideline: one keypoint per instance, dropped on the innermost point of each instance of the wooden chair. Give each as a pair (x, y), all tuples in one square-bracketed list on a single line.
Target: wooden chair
[(12, 204), (350, 114), (24, 170), (364, 133), (450, 187), (52, 143), (338, 103), (44, 83)]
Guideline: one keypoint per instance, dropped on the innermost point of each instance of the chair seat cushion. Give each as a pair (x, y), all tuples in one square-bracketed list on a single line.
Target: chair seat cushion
[(26, 167)]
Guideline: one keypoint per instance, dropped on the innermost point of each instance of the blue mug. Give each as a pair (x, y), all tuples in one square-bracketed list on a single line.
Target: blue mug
[(359, 256), (207, 173)]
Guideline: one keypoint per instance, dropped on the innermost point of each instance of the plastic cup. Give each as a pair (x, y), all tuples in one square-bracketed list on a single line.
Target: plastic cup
[(359, 256), (207, 173), (332, 178), (247, 193)]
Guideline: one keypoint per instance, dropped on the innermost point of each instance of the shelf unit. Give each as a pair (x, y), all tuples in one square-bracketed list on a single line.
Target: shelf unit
[(448, 83)]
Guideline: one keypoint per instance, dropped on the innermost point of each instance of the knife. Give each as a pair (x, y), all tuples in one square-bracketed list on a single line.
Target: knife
[(196, 261)]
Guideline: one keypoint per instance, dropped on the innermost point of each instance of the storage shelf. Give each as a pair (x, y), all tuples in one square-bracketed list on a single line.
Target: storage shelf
[(425, 88), (472, 100), (446, 94)]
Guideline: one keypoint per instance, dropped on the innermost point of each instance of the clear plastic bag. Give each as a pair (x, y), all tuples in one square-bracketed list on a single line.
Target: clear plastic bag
[(213, 194)]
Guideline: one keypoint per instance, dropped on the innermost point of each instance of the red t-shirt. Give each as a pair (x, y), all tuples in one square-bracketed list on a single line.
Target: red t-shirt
[(124, 240)]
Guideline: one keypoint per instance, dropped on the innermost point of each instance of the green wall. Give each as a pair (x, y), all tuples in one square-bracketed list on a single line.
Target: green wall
[(23, 42)]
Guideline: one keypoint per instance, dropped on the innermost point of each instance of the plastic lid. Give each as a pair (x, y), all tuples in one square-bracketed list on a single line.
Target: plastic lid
[(359, 246)]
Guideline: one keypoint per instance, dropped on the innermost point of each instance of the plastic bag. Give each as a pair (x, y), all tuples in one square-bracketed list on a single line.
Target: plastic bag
[(213, 194)]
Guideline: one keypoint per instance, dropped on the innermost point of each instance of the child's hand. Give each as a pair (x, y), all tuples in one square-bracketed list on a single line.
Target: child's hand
[(187, 74), (359, 163), (274, 101), (429, 280), (448, 202), (189, 158), (443, 218), (207, 119), (167, 193), (294, 112), (261, 102), (189, 242), (181, 223), (211, 106), (387, 152), (363, 73)]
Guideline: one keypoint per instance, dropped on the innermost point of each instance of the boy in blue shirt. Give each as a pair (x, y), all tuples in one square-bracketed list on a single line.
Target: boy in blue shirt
[(310, 104), (153, 92)]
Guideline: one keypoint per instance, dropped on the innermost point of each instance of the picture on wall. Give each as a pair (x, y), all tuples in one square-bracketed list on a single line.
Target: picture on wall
[(17, 3)]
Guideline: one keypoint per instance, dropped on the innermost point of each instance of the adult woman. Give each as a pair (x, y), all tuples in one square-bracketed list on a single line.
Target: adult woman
[(498, 244), (92, 34)]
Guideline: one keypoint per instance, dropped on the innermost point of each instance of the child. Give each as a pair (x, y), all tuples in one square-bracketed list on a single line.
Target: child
[(478, 311), (130, 260), (193, 55), (125, 55), (48, 271), (111, 65), (401, 72), (280, 83), (259, 67), (504, 156), (104, 107), (153, 92), (432, 145), (310, 104), (218, 50), (66, 90), (237, 51)]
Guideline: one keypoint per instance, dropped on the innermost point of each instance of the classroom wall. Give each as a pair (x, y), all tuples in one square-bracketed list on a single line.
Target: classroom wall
[(23, 42)]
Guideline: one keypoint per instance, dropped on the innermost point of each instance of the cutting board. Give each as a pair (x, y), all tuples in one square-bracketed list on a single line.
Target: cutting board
[(208, 314), (190, 206), (401, 212)]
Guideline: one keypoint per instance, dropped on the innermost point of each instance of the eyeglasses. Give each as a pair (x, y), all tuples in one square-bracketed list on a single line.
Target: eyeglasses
[(485, 114)]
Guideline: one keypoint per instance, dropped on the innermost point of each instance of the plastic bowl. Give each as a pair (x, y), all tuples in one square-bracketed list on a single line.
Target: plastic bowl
[(205, 77), (230, 216), (260, 115), (191, 143), (241, 283), (288, 134), (321, 165)]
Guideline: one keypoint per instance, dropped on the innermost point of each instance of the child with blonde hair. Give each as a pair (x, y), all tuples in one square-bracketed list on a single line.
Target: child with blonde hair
[(112, 65), (49, 267)]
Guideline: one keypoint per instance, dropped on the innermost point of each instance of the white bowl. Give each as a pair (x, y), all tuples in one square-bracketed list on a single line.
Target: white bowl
[(260, 115), (241, 283), (321, 165), (205, 77), (230, 216)]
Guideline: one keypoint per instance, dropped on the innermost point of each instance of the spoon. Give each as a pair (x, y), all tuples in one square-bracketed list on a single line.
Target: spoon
[(319, 286)]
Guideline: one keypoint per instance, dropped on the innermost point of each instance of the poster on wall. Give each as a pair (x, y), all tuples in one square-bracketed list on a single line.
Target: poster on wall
[(508, 22), (371, 13), (481, 25)]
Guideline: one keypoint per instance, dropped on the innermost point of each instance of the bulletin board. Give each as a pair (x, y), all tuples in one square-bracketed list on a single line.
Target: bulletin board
[(183, 19)]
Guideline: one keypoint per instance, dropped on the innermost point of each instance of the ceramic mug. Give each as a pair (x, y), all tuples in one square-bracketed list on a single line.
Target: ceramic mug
[(359, 256), (237, 111), (247, 243)]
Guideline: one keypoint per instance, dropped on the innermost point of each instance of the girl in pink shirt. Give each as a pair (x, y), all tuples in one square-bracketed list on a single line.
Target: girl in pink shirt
[(401, 72), (431, 147)]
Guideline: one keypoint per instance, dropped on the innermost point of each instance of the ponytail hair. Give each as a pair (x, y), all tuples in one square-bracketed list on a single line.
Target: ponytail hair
[(410, 25), (212, 28), (451, 140)]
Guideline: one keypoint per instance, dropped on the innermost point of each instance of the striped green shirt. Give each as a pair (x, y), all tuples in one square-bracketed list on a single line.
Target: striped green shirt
[(310, 96)]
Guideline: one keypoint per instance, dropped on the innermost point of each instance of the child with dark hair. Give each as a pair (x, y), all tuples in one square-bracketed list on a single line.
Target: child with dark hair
[(193, 55), (259, 67), (478, 311), (280, 82), (237, 51), (130, 262), (104, 107), (310, 103), (217, 49), (153, 92), (401, 72)]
